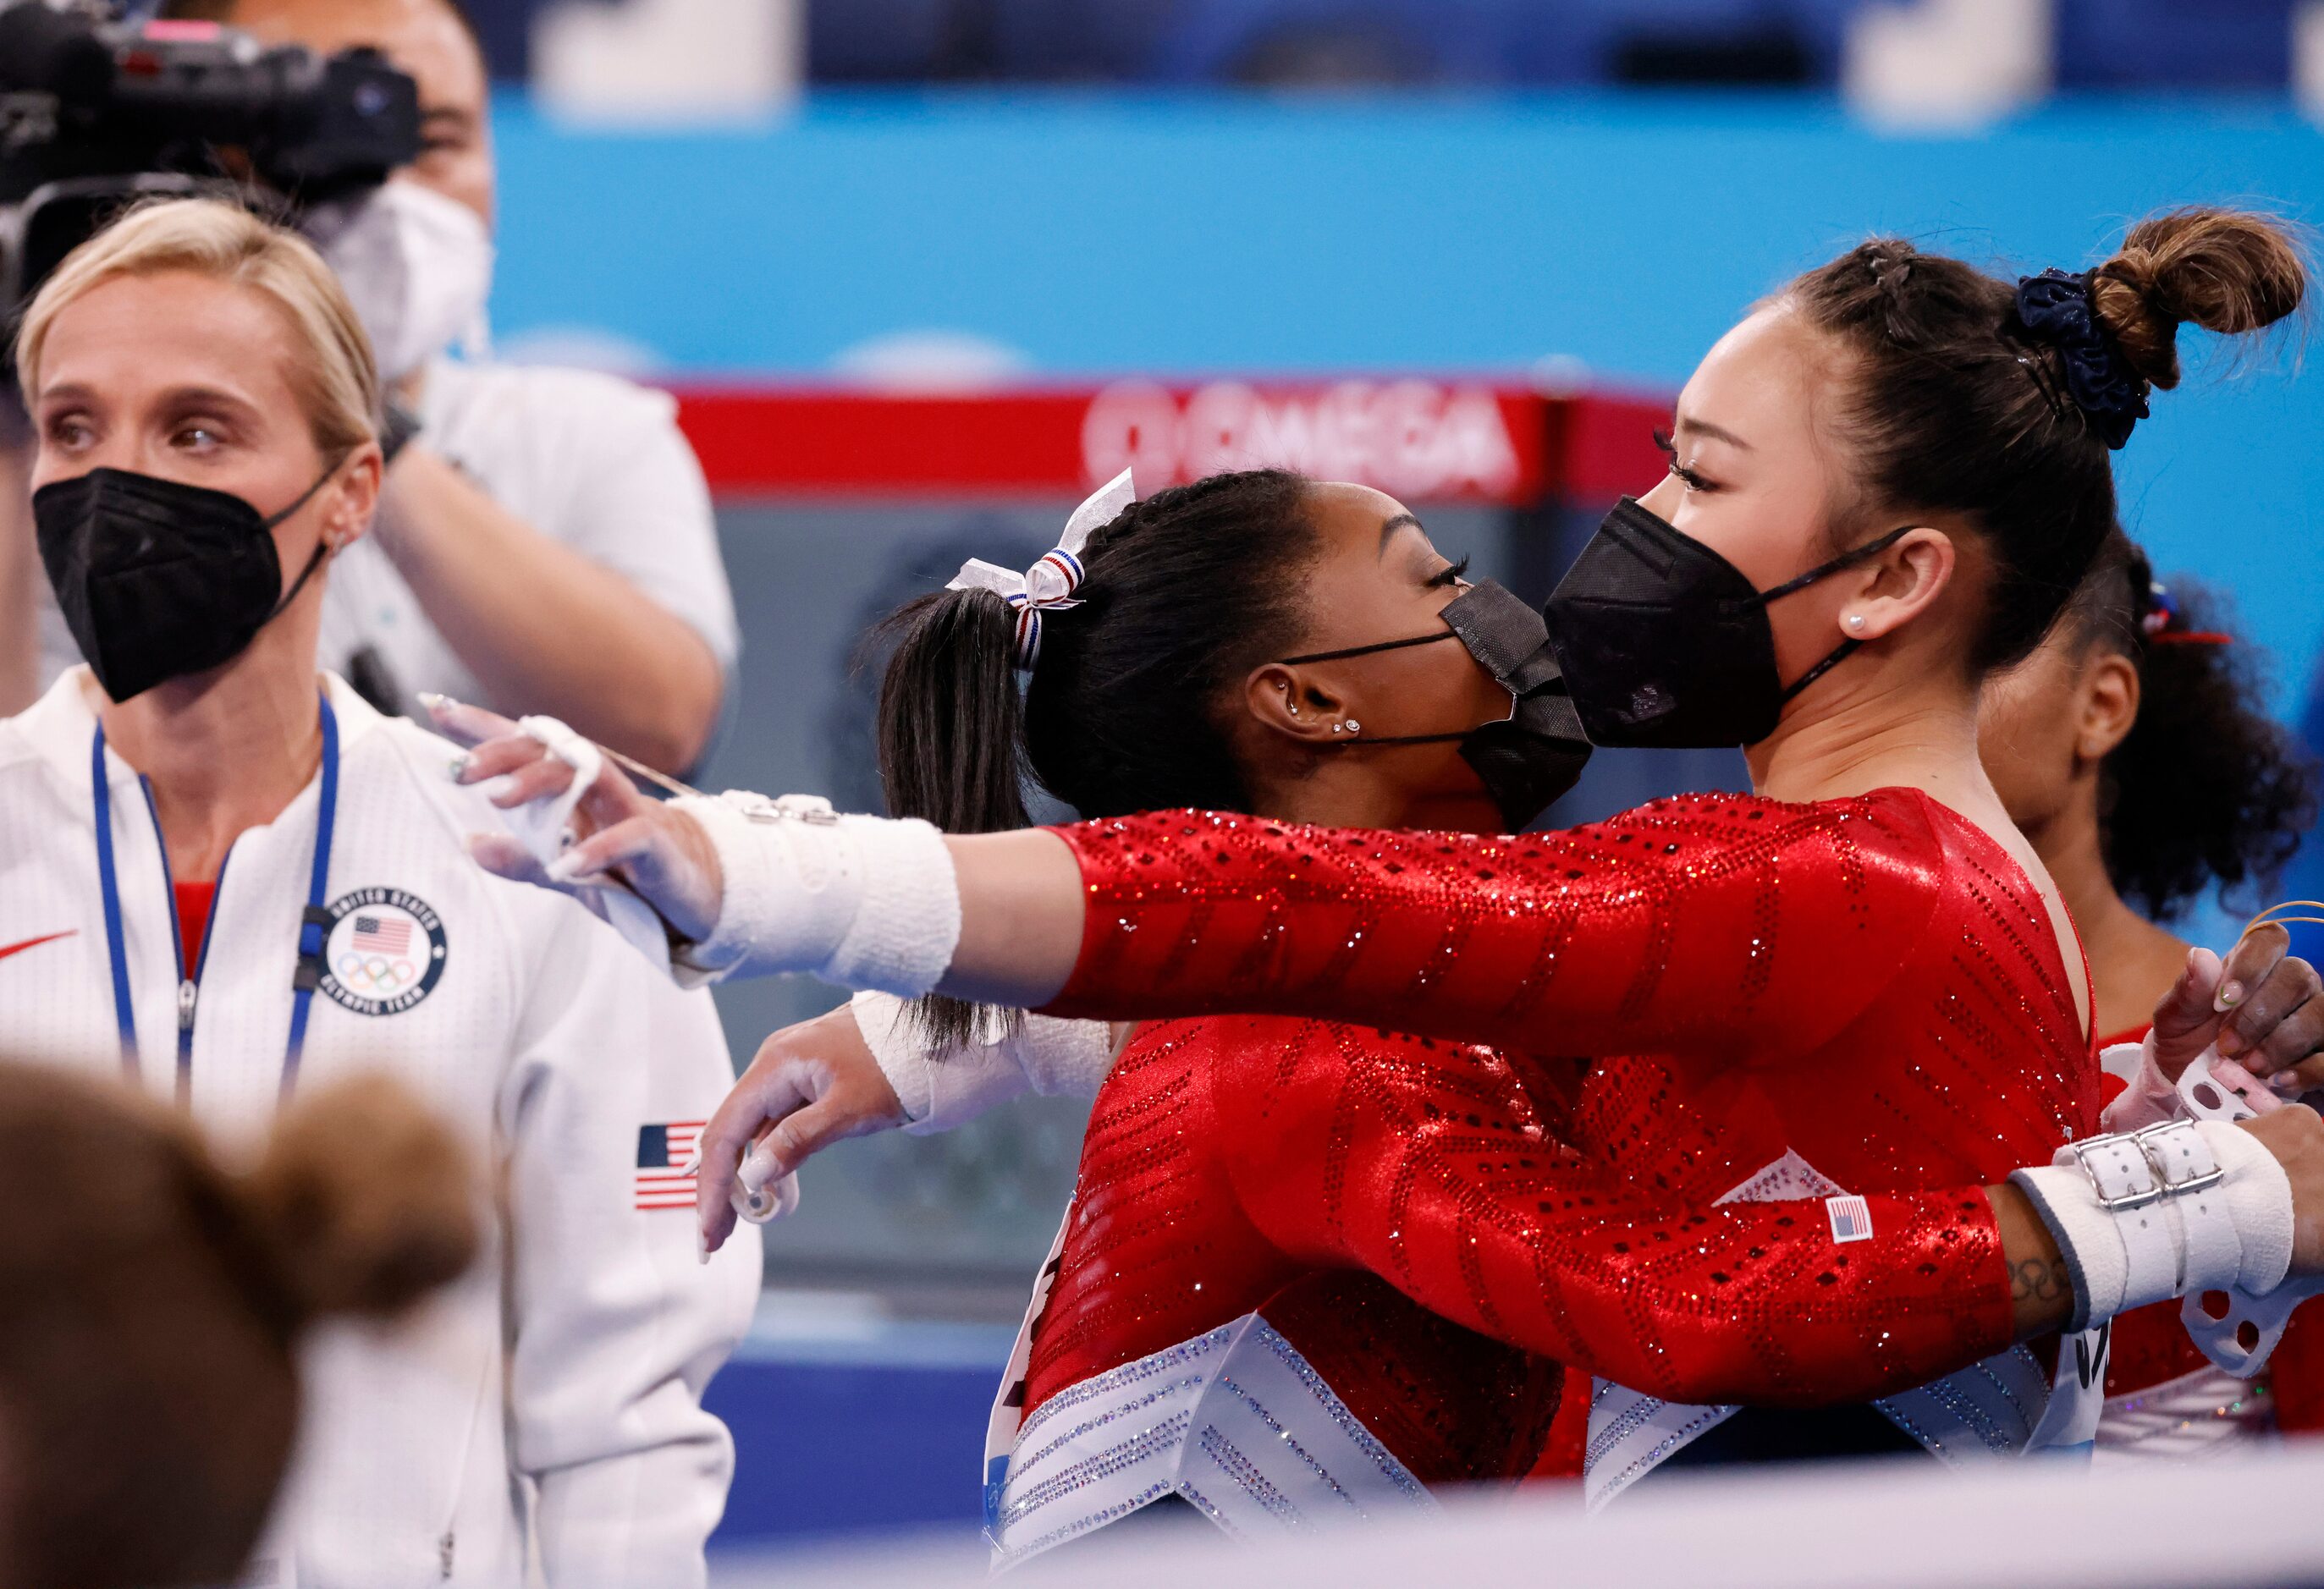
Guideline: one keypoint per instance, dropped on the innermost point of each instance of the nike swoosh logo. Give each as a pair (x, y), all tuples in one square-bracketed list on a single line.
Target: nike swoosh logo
[(8, 949)]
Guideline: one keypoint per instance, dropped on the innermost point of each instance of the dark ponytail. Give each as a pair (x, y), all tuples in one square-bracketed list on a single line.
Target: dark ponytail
[(951, 736), (1955, 405), (951, 726), (1126, 711), (2206, 787)]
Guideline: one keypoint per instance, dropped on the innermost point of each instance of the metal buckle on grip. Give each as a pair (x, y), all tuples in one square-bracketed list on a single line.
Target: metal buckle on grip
[(2202, 1180), (813, 810), (2118, 1203)]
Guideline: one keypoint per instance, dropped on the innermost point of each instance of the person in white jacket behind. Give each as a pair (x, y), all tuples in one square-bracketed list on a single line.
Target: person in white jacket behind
[(225, 877)]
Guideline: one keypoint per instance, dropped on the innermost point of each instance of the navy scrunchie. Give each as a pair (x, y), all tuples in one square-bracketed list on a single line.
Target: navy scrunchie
[(2058, 308)]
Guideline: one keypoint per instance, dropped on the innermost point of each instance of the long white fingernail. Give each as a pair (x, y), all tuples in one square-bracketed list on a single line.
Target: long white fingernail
[(757, 1170), (432, 700), (701, 1243), (460, 765), (566, 868), (501, 787)]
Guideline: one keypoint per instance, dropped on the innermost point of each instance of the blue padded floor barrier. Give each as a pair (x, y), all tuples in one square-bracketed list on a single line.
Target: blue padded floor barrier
[(856, 1425)]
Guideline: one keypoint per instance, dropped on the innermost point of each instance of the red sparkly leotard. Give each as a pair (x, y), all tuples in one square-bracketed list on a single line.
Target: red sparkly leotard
[(1869, 985), (1328, 1176)]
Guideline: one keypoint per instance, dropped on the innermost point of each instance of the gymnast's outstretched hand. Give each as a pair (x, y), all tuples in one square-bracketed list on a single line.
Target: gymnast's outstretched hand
[(751, 887), (810, 1084), (2261, 1007), (619, 832)]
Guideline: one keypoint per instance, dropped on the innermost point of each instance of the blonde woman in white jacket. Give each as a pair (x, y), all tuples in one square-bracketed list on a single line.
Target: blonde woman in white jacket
[(226, 879)]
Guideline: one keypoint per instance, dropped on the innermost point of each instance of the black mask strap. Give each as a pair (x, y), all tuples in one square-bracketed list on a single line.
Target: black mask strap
[(1826, 570), (321, 546), (305, 496), (300, 584), (1399, 739), (1846, 649), (1839, 654), (1368, 650), (1420, 739)]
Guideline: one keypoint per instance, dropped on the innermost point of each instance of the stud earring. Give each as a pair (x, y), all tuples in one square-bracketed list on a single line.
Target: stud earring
[(1347, 725), (1856, 621)]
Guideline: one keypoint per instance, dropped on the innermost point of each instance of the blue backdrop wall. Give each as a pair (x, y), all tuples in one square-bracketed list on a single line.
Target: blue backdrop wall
[(1073, 236)]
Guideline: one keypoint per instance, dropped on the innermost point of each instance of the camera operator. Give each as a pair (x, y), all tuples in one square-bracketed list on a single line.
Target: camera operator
[(545, 541)]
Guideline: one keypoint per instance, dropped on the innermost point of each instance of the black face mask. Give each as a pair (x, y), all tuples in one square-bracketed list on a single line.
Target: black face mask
[(1530, 758), (158, 579), (1664, 642)]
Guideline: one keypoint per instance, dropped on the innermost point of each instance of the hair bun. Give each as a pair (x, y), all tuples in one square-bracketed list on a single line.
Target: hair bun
[(363, 1202), (2231, 271), (1890, 261)]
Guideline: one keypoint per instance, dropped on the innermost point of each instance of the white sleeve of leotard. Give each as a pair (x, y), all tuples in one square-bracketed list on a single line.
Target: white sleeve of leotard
[(946, 1088)]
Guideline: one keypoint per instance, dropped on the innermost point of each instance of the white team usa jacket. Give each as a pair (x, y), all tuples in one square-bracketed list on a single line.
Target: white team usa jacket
[(558, 1386)]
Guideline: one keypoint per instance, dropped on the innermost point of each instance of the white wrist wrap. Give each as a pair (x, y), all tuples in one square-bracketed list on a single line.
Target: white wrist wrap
[(2181, 1208), (944, 1089), (2258, 1198), (895, 1043), (1063, 1058), (861, 901)]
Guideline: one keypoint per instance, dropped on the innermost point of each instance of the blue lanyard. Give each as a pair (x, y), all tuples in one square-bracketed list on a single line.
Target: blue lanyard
[(314, 922)]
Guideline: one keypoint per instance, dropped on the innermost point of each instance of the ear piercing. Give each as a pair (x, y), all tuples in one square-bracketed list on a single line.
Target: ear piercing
[(1346, 725)]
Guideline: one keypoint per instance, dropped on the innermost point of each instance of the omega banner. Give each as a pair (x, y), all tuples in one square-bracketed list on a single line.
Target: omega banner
[(1425, 440)]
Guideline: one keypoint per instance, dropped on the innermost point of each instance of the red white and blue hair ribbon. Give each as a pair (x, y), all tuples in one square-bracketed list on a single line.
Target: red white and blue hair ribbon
[(2163, 624), (1049, 586)]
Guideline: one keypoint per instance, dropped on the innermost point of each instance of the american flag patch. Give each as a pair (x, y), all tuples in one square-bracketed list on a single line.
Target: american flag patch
[(1852, 1218), (381, 935), (664, 1151)]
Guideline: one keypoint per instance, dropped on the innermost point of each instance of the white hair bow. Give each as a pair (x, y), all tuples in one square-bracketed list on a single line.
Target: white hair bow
[(1049, 584)]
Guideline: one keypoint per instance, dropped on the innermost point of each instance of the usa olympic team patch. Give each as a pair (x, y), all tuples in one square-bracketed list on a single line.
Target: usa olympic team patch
[(383, 952)]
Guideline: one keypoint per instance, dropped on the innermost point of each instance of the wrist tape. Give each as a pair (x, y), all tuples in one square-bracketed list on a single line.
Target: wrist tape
[(2179, 1207), (896, 1046), (861, 901), (943, 1088)]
